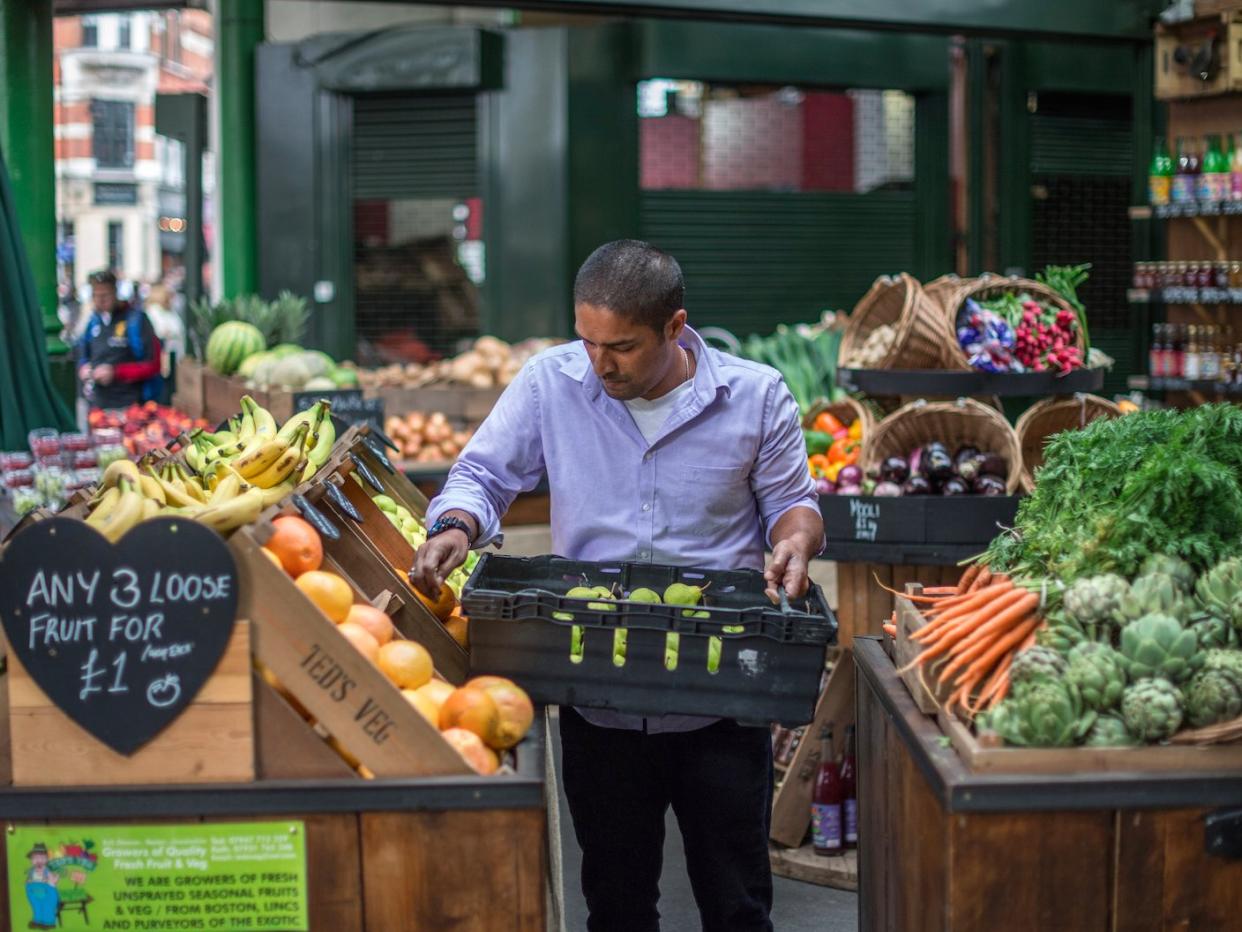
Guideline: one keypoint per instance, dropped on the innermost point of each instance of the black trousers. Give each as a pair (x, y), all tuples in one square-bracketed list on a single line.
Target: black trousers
[(619, 784)]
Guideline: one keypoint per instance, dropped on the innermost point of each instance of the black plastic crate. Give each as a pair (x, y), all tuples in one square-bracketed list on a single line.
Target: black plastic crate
[(770, 663)]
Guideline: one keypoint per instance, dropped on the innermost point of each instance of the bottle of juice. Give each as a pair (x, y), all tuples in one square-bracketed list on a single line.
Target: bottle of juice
[(849, 789), (1213, 173), (827, 802), (1160, 176), (1235, 170), (1182, 189)]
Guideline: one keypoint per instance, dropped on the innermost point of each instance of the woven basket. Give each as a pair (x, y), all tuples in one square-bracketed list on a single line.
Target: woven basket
[(955, 423), (942, 289), (846, 410), (1051, 416), (986, 286), (922, 340)]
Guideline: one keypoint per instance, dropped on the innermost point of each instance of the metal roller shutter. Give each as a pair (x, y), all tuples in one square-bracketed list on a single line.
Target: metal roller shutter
[(414, 146)]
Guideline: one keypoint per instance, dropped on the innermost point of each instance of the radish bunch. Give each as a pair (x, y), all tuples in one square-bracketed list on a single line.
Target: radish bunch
[(1046, 339)]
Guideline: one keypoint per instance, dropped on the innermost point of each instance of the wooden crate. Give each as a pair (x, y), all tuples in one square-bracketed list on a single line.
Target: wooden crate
[(461, 403), (921, 681), (343, 690), (862, 605), (212, 741), (1175, 81), (188, 393)]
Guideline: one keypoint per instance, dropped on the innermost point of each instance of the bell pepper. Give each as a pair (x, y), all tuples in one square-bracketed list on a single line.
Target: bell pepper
[(844, 451), (855, 429), (818, 464), (817, 441), (833, 471), (827, 422)]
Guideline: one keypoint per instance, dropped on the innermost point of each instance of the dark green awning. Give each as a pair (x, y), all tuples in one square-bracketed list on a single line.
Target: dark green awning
[(27, 396)]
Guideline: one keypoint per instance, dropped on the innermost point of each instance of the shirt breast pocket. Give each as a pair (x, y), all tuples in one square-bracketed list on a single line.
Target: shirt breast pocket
[(721, 493)]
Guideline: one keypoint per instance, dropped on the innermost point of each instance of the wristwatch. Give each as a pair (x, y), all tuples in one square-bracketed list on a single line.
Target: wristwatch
[(448, 522)]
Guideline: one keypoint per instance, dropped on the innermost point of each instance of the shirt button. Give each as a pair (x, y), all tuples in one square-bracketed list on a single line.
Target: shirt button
[(646, 506), (646, 457)]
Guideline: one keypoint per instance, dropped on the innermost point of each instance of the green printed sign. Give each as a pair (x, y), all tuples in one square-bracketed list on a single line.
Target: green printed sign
[(158, 878)]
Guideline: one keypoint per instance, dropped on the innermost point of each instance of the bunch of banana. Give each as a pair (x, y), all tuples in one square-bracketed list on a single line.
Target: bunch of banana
[(255, 449)]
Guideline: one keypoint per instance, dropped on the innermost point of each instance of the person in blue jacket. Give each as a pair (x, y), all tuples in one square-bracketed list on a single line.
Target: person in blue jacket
[(119, 353)]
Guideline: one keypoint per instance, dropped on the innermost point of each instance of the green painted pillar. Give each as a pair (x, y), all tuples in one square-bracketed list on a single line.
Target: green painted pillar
[(240, 29), (26, 138)]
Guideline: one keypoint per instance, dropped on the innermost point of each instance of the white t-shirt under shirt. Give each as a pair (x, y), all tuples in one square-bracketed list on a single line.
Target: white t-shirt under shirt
[(650, 417)]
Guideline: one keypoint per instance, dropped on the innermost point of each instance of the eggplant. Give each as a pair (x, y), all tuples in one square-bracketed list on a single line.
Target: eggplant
[(895, 469), (989, 484), (968, 467), (887, 490), (955, 486), (964, 456), (995, 464), (825, 486), (935, 464), (917, 485), (850, 475), (843, 489)]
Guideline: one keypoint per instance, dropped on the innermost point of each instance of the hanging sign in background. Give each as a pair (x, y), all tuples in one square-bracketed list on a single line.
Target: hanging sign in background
[(120, 637), (158, 878)]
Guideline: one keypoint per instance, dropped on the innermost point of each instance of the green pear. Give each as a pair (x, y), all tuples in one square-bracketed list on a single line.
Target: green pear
[(733, 629), (581, 592), (384, 502), (672, 643), (682, 594), (575, 641), (618, 647), (688, 613), (714, 646), (603, 592), (601, 606), (410, 526), (644, 595), (568, 616)]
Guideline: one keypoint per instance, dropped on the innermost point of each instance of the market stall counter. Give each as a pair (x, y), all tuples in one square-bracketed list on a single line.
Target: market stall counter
[(943, 846)]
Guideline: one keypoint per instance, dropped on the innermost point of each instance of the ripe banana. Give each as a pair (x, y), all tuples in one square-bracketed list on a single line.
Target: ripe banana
[(150, 508), (281, 490), (107, 503), (243, 509), (117, 470), (259, 455), (189, 484), (175, 495), (283, 468), (264, 423), (151, 488), (126, 514), (229, 488), (323, 445), (245, 430)]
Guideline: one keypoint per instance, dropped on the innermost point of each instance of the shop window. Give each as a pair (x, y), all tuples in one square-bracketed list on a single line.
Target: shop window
[(90, 32), (697, 136), (124, 36), (113, 133), (116, 245)]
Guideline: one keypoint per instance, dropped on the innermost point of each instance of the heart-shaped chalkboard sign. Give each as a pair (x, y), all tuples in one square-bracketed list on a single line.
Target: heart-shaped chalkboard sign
[(121, 637)]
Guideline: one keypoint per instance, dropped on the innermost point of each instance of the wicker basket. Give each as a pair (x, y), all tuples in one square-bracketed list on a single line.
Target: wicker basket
[(955, 423), (1051, 416), (942, 289), (987, 286), (923, 340), (847, 411)]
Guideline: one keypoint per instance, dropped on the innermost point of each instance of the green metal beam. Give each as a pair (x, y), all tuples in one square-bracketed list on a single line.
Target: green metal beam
[(1111, 19), (26, 138), (240, 30)]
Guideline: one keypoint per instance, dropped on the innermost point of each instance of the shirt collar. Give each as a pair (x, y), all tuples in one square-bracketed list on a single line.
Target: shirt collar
[(707, 381)]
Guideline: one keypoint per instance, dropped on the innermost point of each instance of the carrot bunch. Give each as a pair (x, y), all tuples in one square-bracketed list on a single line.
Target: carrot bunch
[(974, 630)]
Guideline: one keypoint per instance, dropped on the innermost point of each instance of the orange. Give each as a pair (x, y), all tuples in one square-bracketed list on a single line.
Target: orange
[(426, 707), (474, 710), (275, 559), (442, 605), (437, 691), (297, 544), (406, 663), (361, 638), (458, 627), (328, 591), (478, 755), (371, 618), (513, 705)]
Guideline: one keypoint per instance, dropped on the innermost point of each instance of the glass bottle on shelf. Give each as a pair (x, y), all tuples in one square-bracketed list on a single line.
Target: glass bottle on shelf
[(1190, 358), (1209, 371), (827, 800), (1175, 366), (1221, 278), (1205, 277), (1183, 276), (1155, 355), (1160, 180), (1182, 189), (1214, 174), (1235, 171), (1235, 274), (849, 790)]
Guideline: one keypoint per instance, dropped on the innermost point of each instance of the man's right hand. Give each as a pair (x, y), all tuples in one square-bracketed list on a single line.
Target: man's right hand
[(436, 558)]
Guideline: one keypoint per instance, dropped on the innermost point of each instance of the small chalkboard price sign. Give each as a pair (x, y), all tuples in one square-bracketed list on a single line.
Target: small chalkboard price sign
[(348, 404), (120, 637)]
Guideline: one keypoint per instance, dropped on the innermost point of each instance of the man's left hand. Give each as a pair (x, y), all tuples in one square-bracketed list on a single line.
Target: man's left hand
[(788, 567), (103, 374)]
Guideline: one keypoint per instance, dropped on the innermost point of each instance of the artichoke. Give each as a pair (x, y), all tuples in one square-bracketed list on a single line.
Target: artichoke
[(1212, 631), (1042, 713), (1229, 660), (1175, 568), (1034, 663), (1109, 731), (1098, 673), (1060, 633), (1213, 696), (1220, 590), (1158, 646), (1155, 593), (1152, 709), (1095, 600)]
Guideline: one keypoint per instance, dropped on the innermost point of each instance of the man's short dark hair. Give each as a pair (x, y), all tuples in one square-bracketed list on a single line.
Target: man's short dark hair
[(102, 277), (633, 279)]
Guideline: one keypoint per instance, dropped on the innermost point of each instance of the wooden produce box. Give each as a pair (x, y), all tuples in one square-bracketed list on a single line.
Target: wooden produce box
[(189, 392), (943, 847), (462, 403), (222, 399), (1177, 48)]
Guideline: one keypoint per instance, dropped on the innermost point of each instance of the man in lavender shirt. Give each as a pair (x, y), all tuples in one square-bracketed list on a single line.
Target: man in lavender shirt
[(657, 448)]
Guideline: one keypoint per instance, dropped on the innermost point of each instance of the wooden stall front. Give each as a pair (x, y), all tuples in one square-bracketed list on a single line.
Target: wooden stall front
[(942, 847)]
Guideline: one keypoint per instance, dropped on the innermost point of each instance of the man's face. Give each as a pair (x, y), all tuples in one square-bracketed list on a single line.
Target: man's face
[(104, 297), (629, 357), (39, 860)]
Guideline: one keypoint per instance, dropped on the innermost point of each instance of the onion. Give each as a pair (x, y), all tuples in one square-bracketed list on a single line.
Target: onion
[(887, 490), (843, 489), (849, 475), (825, 486)]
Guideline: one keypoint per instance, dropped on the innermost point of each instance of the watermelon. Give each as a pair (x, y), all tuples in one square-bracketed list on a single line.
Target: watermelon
[(230, 344)]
